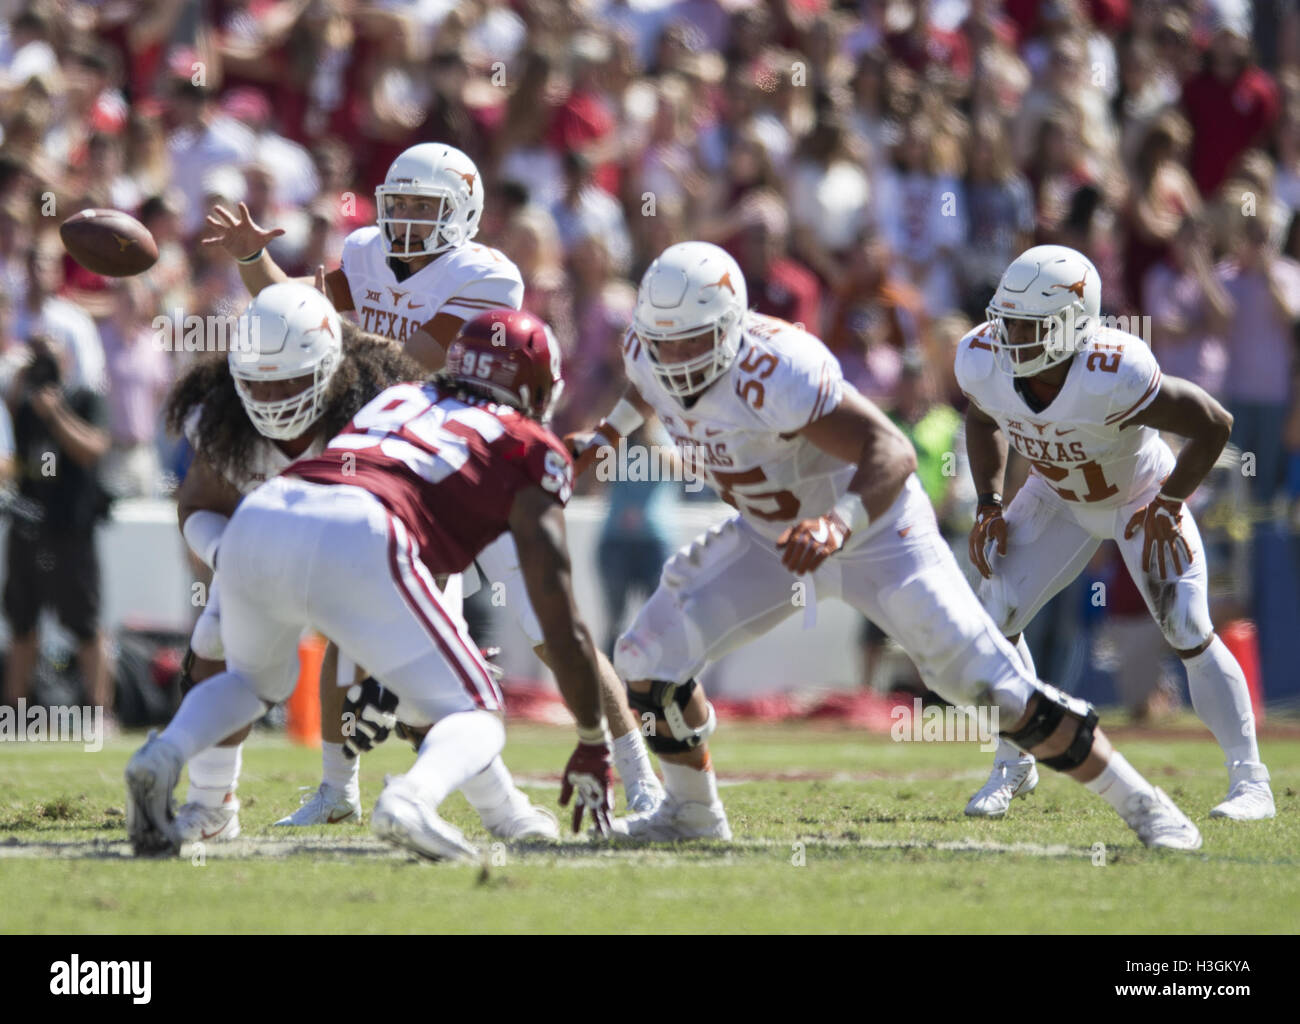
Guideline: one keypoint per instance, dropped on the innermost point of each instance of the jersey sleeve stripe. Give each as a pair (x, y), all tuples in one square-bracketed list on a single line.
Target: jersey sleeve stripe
[(460, 300), (1120, 417)]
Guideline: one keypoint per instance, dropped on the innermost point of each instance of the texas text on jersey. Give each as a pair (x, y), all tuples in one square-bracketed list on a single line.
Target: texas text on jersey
[(447, 467), (1077, 444), (462, 282), (740, 434)]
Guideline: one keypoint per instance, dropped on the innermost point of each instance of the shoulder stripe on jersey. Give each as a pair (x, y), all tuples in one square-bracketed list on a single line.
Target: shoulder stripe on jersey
[(823, 394), (457, 300), (1119, 417)]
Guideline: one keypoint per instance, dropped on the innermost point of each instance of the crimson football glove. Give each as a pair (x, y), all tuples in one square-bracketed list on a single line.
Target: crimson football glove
[(806, 546), (989, 526), (588, 774), (1160, 523)]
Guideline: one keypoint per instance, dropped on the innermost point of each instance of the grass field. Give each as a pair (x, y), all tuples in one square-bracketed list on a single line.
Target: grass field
[(836, 831)]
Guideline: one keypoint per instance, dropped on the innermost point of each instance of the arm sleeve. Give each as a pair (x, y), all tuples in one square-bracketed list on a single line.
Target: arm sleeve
[(1136, 384), (353, 246), (500, 290), (801, 390), (541, 460)]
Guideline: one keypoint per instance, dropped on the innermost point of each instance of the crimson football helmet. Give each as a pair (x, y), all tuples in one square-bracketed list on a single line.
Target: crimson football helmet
[(513, 356)]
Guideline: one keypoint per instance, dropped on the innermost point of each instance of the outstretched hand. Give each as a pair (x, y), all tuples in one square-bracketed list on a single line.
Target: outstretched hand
[(240, 236)]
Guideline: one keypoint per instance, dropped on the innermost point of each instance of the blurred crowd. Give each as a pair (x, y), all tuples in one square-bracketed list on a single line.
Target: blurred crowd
[(873, 166)]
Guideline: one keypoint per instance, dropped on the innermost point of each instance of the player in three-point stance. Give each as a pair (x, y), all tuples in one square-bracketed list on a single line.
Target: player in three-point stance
[(248, 417), (1085, 404), (417, 276), (825, 491), (348, 542)]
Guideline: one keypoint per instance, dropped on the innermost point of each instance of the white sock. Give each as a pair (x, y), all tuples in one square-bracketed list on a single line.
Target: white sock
[(632, 760), (1222, 701), (456, 749), (1008, 751), (1117, 782), (491, 789), (338, 770), (214, 773), (686, 783), (211, 712)]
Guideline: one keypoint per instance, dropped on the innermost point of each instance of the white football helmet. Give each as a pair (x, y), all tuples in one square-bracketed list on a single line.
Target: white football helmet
[(444, 174), (290, 330), (691, 288), (1059, 289)]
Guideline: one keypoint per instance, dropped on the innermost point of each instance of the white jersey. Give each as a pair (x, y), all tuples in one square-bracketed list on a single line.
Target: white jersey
[(1076, 445), (265, 459), (741, 433), (462, 282)]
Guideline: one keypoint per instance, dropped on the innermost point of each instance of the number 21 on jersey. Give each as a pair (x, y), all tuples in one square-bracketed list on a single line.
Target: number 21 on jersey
[(1099, 488)]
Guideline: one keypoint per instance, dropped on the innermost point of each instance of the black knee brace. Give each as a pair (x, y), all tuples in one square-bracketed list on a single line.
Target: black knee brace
[(1053, 706), (667, 701)]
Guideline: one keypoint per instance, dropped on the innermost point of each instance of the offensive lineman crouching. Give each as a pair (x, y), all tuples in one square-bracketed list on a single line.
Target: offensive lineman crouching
[(824, 488), (348, 542)]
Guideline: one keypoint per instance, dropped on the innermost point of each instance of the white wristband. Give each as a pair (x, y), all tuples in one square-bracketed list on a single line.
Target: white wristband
[(624, 417), (596, 734), (852, 512), (202, 532)]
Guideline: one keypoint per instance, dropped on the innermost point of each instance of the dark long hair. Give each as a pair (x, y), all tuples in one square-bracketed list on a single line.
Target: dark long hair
[(227, 436)]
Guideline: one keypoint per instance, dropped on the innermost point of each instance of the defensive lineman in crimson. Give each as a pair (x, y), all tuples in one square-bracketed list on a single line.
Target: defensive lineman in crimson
[(825, 491), (1085, 404), (348, 543)]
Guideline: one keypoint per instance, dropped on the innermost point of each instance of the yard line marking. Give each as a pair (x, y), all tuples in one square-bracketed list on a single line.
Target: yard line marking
[(582, 852)]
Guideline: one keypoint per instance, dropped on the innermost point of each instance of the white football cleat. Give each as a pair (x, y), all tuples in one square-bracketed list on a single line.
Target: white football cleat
[(643, 795), (1159, 823), (522, 819), (328, 805), (403, 818), (1249, 798), (151, 777), (201, 823), (672, 819), (1008, 780)]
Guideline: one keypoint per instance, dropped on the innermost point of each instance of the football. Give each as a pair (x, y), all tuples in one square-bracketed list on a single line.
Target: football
[(109, 242)]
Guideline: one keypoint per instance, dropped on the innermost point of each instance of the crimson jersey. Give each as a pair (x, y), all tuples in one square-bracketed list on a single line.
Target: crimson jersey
[(448, 469)]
